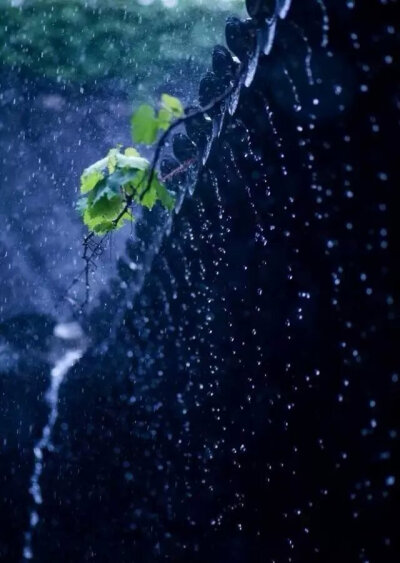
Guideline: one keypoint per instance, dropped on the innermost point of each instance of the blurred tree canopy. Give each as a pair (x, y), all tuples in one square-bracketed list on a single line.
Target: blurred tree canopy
[(87, 41)]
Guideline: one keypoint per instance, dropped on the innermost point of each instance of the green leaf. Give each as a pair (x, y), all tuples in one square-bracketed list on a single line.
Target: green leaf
[(132, 162), (107, 226), (164, 119), (166, 199), (130, 151), (106, 207), (89, 180), (127, 175), (91, 222), (107, 191), (137, 186), (156, 192), (149, 198), (174, 105), (144, 125), (119, 179), (112, 160), (103, 228)]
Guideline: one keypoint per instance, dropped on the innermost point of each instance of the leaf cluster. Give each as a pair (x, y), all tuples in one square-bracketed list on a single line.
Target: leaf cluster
[(113, 185)]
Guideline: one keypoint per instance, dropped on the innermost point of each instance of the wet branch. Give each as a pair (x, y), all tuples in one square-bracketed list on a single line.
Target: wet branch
[(128, 203), (91, 251)]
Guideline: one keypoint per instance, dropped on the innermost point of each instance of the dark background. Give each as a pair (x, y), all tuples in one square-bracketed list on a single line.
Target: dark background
[(242, 404)]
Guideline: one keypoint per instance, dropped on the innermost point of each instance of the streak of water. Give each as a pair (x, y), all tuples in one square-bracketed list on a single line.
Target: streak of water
[(57, 375), (260, 234), (278, 138), (222, 219), (218, 122), (234, 98), (267, 35), (180, 199), (172, 280), (297, 104), (307, 61), (252, 65), (217, 125), (283, 7), (208, 147), (134, 288), (325, 23)]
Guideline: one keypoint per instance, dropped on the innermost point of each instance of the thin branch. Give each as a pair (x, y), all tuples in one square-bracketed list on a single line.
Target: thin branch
[(180, 168), (124, 210), (89, 259)]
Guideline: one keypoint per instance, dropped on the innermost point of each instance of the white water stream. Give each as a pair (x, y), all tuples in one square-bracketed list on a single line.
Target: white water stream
[(68, 358)]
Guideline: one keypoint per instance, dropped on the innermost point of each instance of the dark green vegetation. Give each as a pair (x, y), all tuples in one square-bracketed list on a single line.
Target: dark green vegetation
[(78, 41)]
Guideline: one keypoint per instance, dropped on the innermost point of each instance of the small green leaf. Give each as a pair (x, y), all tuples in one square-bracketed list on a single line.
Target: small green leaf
[(106, 191), (138, 186), (130, 151), (112, 160), (91, 222), (132, 162), (119, 178), (89, 180), (144, 125), (174, 105), (149, 198), (164, 119), (106, 207), (103, 228)]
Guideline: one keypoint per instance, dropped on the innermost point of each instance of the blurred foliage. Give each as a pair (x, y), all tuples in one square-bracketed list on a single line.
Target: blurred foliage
[(78, 41)]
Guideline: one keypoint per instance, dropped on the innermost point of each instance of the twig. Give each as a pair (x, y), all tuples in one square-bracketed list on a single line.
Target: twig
[(95, 251), (160, 144), (128, 203), (180, 168)]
